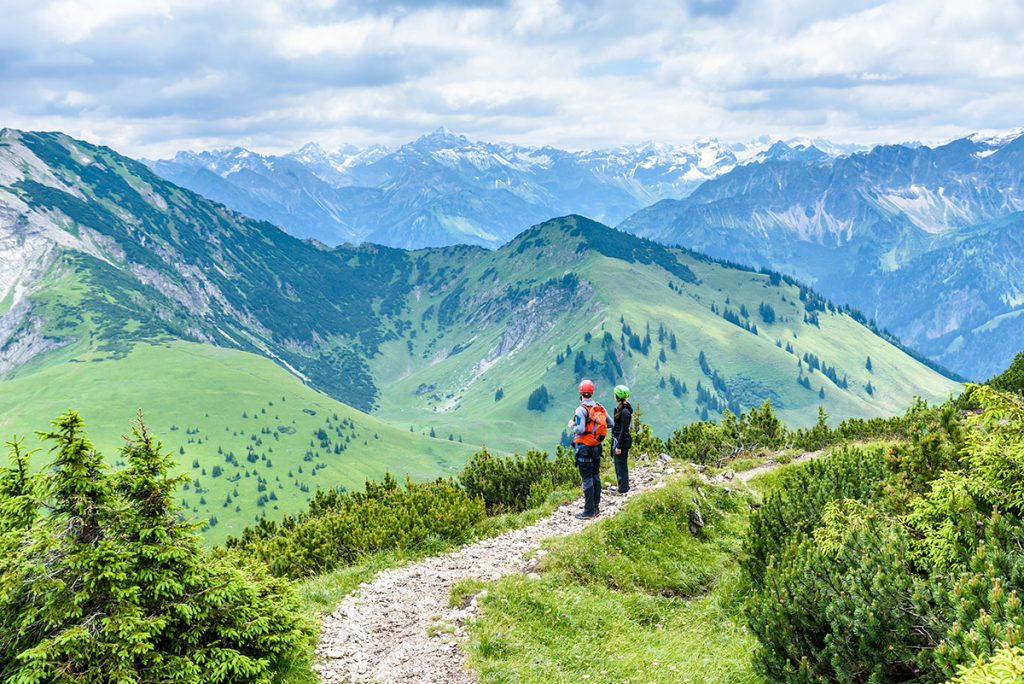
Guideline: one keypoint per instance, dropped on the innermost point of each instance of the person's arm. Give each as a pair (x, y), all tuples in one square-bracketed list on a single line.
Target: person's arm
[(579, 421), (622, 427)]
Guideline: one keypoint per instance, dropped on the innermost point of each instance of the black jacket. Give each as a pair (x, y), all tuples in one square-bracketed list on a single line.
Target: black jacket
[(620, 433)]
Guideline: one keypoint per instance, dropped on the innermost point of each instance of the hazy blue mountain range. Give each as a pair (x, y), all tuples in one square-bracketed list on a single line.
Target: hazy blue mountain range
[(444, 189), (926, 240)]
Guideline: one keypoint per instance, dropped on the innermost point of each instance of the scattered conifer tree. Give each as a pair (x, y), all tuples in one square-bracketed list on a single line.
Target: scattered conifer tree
[(111, 580)]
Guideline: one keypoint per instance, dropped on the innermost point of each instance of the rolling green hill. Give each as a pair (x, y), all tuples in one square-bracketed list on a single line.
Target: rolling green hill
[(573, 298), (246, 347), (255, 440)]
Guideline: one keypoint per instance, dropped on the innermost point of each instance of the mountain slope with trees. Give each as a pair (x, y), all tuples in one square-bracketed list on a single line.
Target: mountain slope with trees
[(260, 354), (515, 329), (925, 240)]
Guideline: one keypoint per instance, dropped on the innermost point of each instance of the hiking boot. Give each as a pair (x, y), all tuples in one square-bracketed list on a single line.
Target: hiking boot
[(586, 516)]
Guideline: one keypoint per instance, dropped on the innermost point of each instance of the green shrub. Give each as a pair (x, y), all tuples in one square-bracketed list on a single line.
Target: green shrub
[(101, 581), (932, 444), (515, 483), (995, 448), (707, 442), (702, 442), (846, 611), (341, 527), (1007, 665), (904, 568), (794, 509), (982, 606), (1012, 379), (818, 437)]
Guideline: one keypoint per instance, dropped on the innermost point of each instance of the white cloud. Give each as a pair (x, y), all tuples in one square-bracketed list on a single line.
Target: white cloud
[(71, 21), (150, 77)]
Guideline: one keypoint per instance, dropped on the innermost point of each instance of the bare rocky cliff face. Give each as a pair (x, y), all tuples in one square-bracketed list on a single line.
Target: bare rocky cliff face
[(22, 338), (29, 235)]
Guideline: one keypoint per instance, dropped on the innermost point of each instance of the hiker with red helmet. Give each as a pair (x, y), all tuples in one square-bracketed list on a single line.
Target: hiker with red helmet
[(590, 424)]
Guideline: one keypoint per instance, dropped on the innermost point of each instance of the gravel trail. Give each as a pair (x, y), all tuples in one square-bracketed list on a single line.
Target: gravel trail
[(748, 475), (398, 628)]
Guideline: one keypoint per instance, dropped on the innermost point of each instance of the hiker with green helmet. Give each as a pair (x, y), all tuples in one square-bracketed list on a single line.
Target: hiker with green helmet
[(621, 439), (590, 424)]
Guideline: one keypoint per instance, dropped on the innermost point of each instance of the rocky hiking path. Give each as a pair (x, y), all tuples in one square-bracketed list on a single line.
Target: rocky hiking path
[(748, 475), (400, 628)]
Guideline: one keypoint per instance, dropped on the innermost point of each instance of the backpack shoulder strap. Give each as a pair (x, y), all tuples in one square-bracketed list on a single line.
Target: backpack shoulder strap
[(591, 423)]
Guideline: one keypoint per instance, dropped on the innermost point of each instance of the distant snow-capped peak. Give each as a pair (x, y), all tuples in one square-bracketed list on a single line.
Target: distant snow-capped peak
[(996, 138), (648, 171)]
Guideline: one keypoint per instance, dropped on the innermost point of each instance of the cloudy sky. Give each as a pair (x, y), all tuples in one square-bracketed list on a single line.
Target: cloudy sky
[(151, 77)]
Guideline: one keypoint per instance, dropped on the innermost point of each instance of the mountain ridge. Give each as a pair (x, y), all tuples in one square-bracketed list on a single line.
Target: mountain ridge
[(443, 188), (858, 227)]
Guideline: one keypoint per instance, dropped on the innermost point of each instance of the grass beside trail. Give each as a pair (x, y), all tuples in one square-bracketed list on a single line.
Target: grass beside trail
[(323, 593), (636, 598)]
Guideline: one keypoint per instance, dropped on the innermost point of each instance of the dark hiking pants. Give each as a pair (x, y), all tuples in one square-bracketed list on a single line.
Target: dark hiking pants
[(622, 469), (588, 460)]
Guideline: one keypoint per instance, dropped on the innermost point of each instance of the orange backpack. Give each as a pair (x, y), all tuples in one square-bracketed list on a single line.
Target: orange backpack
[(596, 428)]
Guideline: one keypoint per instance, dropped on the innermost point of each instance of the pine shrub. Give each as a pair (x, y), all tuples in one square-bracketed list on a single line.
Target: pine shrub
[(340, 527), (707, 442), (794, 510), (1007, 665), (982, 605), (515, 483), (847, 612), (907, 566), (101, 580)]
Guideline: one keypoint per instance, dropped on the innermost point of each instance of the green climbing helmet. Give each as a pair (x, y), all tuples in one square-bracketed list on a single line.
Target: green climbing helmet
[(621, 391)]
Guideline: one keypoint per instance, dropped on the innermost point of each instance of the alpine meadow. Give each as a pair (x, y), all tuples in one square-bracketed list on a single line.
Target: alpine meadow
[(517, 342)]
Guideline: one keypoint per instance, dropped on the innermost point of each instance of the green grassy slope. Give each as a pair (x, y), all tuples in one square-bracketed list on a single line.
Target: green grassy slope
[(502, 320), (635, 597), (207, 403), (195, 270), (269, 433)]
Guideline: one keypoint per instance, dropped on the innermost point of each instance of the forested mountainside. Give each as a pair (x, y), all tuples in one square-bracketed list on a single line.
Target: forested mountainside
[(922, 239)]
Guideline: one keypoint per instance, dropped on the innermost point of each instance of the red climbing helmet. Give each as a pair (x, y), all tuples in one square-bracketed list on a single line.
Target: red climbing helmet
[(586, 387)]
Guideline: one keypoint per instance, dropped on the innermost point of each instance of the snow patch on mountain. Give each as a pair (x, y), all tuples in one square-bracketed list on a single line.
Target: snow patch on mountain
[(996, 138), (929, 209), (444, 188)]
